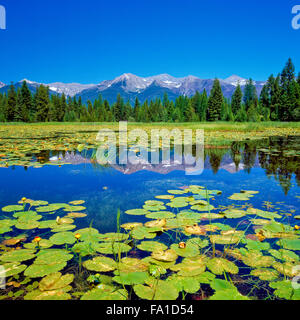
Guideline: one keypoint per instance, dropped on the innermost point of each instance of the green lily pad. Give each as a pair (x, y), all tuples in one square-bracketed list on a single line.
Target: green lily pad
[(137, 212), (265, 274), (100, 264), (44, 244), (13, 208), (18, 255), (61, 238), (190, 266), (128, 265), (105, 292), (285, 290), (163, 290), (131, 278), (190, 250), (114, 237), (47, 295), (111, 247), (160, 215), (152, 246), (55, 281), (141, 233), (27, 225), (166, 256), (219, 266), (256, 259), (285, 255), (291, 244), (11, 269), (63, 227)]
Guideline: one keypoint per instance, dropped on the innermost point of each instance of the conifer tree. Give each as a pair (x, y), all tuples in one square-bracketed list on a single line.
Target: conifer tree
[(42, 103), (11, 104), (215, 102), (236, 101)]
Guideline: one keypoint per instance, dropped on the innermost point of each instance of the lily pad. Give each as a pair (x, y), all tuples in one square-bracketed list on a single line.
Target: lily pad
[(152, 246), (55, 281), (61, 238), (105, 292), (219, 266), (100, 264), (18, 255)]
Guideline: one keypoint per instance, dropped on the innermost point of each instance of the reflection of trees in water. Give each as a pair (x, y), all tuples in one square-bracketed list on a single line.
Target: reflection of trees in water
[(273, 159), (270, 153)]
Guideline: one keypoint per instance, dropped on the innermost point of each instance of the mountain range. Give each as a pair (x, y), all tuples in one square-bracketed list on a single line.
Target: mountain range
[(131, 86)]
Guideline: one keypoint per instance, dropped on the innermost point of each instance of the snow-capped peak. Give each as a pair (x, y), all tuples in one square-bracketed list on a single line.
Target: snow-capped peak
[(235, 80)]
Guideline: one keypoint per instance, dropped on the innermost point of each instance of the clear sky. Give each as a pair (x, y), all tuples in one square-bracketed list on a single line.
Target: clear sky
[(89, 41)]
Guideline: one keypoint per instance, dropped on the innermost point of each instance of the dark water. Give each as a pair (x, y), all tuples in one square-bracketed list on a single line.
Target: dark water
[(270, 166)]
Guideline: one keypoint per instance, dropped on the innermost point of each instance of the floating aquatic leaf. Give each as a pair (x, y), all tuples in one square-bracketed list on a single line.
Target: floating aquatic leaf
[(5, 225), (100, 264), (27, 225), (105, 292), (156, 223), (55, 281), (114, 237), (154, 203), (195, 229), (160, 215), (152, 246), (127, 265), (77, 202), (285, 255), (47, 224), (177, 191), (163, 290), (234, 213), (63, 227), (131, 225), (257, 245), (291, 244), (285, 290), (225, 291), (38, 203), (220, 265), (286, 268), (131, 278), (165, 255), (44, 244), (137, 212), (165, 197), (11, 269), (74, 208), (190, 266), (76, 215), (27, 216), (187, 284), (256, 259), (265, 274), (47, 295), (13, 208), (18, 255), (264, 214), (203, 207), (190, 250), (111, 247), (141, 233), (61, 238)]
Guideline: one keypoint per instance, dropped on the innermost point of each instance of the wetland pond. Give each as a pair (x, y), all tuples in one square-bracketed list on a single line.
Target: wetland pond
[(71, 228)]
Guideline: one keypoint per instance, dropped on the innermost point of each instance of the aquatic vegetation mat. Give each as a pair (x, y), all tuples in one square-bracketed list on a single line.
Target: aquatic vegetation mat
[(180, 245)]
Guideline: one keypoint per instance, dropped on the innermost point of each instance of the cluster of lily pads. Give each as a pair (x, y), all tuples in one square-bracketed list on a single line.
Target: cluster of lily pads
[(186, 249)]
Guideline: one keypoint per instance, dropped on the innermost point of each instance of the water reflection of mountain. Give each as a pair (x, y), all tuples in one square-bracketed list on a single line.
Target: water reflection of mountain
[(278, 156)]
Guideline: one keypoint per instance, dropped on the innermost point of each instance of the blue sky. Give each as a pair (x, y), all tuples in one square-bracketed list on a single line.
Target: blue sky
[(88, 41)]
